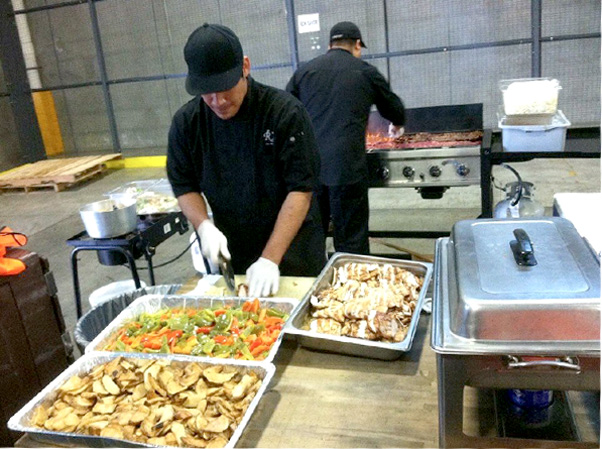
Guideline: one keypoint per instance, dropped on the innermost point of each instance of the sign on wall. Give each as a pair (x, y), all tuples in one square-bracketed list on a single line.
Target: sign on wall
[(308, 23)]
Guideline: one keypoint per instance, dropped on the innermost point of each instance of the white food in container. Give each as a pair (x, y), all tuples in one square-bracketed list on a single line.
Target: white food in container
[(530, 96)]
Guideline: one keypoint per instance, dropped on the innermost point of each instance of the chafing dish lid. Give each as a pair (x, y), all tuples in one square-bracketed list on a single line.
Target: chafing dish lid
[(529, 269)]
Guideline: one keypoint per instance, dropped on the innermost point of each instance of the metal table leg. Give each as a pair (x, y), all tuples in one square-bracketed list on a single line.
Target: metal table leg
[(74, 270)]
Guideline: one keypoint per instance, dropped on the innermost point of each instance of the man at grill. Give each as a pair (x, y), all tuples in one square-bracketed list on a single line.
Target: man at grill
[(338, 90), (251, 151)]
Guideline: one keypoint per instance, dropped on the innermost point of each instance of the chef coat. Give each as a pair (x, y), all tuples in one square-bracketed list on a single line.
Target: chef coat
[(246, 166), (338, 91)]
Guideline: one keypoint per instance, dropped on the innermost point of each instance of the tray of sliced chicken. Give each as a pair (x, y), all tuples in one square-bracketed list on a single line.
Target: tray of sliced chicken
[(362, 305)]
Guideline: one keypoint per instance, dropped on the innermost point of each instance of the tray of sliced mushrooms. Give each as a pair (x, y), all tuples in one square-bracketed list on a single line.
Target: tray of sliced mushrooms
[(362, 305), (112, 400)]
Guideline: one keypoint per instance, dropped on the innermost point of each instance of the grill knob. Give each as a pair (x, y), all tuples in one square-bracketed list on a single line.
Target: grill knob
[(462, 170), (408, 171), (384, 173), (435, 171)]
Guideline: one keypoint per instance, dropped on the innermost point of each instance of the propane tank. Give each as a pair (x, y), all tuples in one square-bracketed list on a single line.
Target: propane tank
[(519, 202)]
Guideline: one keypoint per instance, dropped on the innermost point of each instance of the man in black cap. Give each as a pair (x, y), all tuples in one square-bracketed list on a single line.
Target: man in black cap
[(338, 90), (250, 150)]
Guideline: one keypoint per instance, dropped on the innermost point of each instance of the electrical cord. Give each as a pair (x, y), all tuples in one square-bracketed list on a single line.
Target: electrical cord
[(167, 262)]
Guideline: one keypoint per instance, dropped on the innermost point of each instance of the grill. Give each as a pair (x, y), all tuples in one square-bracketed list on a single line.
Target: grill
[(514, 315), (440, 149)]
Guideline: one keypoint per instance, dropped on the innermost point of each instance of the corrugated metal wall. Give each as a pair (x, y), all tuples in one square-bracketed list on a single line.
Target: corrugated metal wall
[(434, 51)]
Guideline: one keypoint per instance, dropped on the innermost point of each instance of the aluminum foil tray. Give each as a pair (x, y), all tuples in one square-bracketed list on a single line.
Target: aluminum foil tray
[(20, 421), (349, 345), (153, 303)]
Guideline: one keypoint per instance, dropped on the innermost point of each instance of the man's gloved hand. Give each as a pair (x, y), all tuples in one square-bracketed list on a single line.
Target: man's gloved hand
[(213, 242), (263, 278), (395, 131)]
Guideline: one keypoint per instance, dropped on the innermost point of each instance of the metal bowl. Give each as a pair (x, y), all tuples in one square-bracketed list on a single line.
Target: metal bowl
[(109, 218)]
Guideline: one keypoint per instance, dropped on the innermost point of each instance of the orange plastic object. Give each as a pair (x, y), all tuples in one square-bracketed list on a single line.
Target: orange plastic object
[(9, 238)]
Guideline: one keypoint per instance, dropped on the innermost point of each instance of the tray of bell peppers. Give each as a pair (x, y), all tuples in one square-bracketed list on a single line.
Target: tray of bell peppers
[(247, 329)]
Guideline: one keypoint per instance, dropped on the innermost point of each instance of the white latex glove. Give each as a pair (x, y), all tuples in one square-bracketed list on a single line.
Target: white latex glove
[(213, 242), (263, 278), (395, 131)]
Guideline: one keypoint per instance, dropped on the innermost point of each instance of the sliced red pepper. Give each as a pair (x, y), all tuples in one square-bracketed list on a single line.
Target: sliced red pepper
[(151, 344), (204, 330), (219, 312), (257, 342), (173, 336), (259, 349), (220, 339)]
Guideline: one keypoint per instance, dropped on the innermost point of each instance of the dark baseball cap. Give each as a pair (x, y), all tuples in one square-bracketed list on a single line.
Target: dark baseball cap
[(214, 57), (346, 30)]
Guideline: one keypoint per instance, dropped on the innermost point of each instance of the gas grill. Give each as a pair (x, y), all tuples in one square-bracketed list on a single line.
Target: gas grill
[(440, 149)]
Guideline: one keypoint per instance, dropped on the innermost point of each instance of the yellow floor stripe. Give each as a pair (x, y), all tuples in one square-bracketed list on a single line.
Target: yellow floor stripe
[(139, 162), (130, 162)]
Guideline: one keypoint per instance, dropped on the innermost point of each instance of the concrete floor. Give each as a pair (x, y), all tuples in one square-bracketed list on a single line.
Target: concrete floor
[(50, 218)]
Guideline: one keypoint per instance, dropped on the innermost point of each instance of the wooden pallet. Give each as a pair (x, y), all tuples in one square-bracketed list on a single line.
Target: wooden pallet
[(57, 174)]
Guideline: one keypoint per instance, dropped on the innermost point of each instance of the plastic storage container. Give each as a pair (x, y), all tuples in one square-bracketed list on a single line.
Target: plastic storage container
[(153, 196), (530, 96), (534, 138)]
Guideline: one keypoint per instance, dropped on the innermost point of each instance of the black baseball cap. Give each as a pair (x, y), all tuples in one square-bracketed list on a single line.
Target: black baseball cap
[(346, 30), (214, 57)]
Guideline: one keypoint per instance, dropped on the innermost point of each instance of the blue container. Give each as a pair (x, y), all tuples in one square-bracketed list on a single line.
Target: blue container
[(531, 398)]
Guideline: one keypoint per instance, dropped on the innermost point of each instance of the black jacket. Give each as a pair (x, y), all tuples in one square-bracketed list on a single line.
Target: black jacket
[(245, 166), (338, 91)]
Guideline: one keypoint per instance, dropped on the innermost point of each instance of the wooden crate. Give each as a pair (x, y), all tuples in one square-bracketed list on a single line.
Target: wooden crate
[(57, 174)]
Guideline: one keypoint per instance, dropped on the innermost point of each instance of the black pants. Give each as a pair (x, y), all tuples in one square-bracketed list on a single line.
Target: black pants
[(348, 207)]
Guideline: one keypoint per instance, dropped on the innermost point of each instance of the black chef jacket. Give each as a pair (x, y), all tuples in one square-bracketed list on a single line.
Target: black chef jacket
[(338, 88), (245, 167)]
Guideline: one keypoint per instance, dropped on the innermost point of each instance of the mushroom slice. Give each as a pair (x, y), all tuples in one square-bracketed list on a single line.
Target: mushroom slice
[(152, 371), (174, 387), (98, 425), (165, 376), (110, 385), (97, 372), (157, 441), (217, 442), (190, 398), (194, 442), (154, 385), (140, 414), (215, 374), (73, 385), (40, 416), (201, 423), (201, 388), (98, 388), (82, 402), (218, 425), (192, 373), (112, 431), (179, 431), (104, 407), (139, 392), (242, 387)]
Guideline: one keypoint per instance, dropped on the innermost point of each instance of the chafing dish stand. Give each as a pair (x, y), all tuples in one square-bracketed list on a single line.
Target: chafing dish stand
[(468, 310)]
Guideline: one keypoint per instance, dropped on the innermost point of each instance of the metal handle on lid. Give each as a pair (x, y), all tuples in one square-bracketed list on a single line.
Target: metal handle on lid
[(522, 248), (570, 363)]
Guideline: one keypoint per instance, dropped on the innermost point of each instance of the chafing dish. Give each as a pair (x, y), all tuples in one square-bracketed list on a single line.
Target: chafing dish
[(516, 306), (348, 345)]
